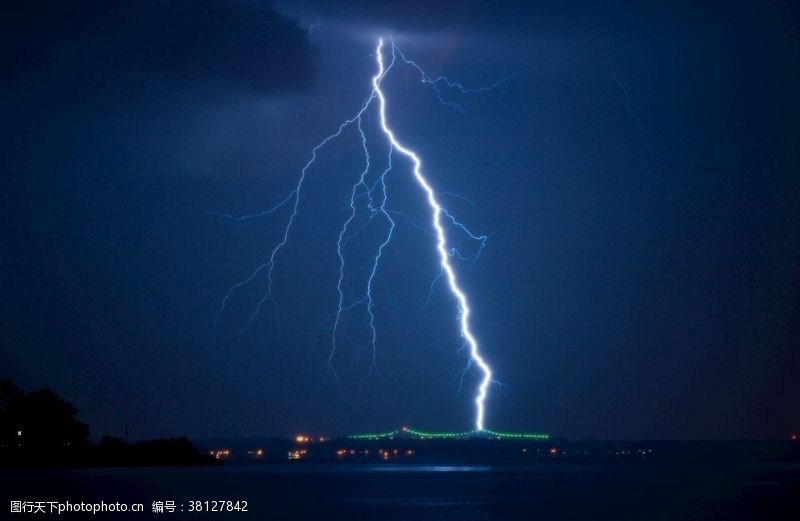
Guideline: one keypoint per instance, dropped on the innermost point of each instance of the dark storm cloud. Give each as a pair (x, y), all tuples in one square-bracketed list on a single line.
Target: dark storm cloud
[(99, 43), (428, 16), (105, 104), (503, 17)]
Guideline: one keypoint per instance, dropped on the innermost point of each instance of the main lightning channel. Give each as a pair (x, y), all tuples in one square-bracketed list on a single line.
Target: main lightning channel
[(441, 241)]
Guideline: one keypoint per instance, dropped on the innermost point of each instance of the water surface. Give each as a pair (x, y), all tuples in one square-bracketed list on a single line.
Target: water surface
[(642, 490)]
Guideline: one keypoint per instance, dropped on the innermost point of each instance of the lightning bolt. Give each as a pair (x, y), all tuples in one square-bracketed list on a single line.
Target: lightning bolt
[(373, 189), (441, 243)]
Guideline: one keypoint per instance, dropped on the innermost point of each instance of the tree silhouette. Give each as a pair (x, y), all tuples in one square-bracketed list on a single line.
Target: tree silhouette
[(10, 395), (39, 428), (38, 421)]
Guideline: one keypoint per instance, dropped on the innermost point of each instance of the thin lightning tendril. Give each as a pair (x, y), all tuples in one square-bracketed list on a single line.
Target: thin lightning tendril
[(376, 195), (342, 233), (453, 85), (371, 304)]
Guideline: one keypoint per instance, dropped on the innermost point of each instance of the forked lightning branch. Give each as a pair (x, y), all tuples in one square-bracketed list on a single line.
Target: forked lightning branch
[(375, 193)]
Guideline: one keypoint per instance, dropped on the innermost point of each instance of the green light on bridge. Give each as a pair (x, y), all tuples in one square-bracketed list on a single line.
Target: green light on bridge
[(451, 435)]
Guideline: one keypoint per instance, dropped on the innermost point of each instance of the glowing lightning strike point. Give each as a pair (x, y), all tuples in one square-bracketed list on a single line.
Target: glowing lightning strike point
[(441, 241)]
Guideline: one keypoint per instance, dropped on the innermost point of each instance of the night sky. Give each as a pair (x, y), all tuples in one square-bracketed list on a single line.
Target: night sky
[(639, 181)]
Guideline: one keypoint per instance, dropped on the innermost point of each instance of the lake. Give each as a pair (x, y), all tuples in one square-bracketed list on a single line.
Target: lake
[(552, 490)]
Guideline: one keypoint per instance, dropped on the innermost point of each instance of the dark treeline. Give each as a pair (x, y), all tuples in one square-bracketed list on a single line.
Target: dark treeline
[(40, 428)]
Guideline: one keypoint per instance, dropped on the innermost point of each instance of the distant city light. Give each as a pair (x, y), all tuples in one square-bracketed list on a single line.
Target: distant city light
[(256, 453), (220, 453), (297, 454)]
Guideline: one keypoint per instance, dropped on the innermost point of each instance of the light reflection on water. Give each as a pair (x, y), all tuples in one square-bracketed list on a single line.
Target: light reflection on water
[(437, 491), (292, 468), (367, 468), (430, 468)]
